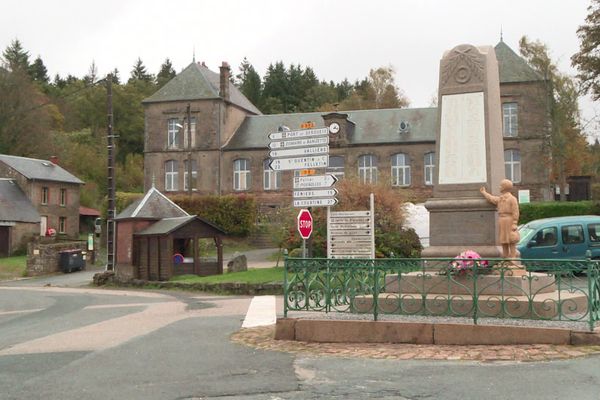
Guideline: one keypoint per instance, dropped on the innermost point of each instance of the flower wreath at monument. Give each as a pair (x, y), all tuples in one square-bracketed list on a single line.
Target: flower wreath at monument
[(465, 261)]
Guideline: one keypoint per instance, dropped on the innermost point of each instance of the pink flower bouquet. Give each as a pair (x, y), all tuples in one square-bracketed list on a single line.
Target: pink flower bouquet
[(466, 260)]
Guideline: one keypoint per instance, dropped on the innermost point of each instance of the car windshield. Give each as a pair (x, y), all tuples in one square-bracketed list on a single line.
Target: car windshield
[(526, 234)]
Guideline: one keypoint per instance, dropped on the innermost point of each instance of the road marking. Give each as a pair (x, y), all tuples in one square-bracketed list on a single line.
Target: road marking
[(20, 311), (261, 312), (102, 306), (54, 289), (105, 334)]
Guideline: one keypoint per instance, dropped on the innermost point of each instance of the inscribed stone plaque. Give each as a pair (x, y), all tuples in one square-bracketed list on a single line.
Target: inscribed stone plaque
[(462, 139)]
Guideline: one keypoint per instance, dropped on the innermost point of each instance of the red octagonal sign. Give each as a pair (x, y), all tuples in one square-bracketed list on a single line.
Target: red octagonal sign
[(305, 223)]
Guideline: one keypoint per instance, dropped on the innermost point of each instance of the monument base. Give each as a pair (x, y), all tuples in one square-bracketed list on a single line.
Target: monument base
[(484, 251)]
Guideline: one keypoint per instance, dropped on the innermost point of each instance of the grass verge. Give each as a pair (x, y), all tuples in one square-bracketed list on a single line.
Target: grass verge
[(13, 267), (259, 275)]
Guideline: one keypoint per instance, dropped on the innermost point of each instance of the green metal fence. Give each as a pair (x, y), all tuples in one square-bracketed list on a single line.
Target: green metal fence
[(565, 290)]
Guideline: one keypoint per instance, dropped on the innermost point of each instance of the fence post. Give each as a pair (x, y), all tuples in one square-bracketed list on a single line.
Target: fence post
[(475, 294), (285, 286), (375, 290), (327, 288)]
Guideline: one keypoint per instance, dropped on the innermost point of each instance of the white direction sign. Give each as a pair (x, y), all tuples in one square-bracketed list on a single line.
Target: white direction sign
[(286, 144), (315, 202), (299, 134), (286, 164), (314, 181), (315, 193), (303, 151)]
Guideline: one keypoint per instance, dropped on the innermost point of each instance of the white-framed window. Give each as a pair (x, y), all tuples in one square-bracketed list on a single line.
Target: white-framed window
[(367, 168), (510, 119), (62, 224), (63, 197), (428, 167), (241, 174), (192, 133), (174, 129), (45, 195), (171, 175), (400, 170), (512, 165), (336, 166), (271, 179), (186, 170)]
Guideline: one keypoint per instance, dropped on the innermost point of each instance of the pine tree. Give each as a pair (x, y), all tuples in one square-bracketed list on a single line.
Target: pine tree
[(140, 73), (38, 71), (249, 83), (15, 57), (165, 74)]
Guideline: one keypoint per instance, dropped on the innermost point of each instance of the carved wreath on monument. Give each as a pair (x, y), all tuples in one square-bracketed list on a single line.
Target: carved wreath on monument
[(463, 63)]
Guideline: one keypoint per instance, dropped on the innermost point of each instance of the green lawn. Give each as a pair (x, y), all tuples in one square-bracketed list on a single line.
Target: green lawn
[(259, 275), (13, 267)]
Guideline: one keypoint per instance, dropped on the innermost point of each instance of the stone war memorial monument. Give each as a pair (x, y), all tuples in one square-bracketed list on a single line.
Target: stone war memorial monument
[(469, 155)]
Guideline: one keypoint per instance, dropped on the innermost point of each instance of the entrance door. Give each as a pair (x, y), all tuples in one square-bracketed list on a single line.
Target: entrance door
[(4, 241), (43, 225)]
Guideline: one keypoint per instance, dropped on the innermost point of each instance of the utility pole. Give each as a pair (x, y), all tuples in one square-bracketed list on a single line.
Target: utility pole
[(110, 222), (189, 156)]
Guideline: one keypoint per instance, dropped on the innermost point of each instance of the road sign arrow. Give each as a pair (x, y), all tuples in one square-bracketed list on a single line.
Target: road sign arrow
[(286, 164), (287, 144), (315, 202), (303, 151), (314, 181), (299, 134), (315, 193)]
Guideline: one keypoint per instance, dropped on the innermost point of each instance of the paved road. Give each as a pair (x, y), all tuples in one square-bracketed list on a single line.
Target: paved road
[(82, 343)]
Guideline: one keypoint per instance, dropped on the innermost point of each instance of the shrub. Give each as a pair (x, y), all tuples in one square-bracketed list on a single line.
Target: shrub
[(390, 236), (235, 214), (550, 209)]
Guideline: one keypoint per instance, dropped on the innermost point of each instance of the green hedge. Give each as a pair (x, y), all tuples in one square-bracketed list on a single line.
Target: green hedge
[(235, 214), (550, 209)]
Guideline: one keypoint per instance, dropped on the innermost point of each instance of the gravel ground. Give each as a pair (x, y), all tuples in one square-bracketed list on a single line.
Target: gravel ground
[(572, 325)]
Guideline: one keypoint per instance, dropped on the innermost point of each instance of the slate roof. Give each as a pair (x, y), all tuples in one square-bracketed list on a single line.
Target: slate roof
[(512, 67), (33, 168), (154, 205), (168, 225), (370, 126), (14, 205), (197, 82)]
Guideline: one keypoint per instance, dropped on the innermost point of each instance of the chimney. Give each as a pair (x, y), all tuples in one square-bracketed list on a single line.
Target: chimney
[(224, 84), (54, 160)]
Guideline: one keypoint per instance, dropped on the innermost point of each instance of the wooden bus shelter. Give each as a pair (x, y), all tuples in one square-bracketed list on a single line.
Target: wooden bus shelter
[(171, 247)]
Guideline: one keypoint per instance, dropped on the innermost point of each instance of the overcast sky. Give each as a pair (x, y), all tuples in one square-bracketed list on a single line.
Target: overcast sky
[(337, 38)]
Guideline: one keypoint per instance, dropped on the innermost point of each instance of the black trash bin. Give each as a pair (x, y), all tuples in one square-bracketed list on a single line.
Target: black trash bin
[(71, 260)]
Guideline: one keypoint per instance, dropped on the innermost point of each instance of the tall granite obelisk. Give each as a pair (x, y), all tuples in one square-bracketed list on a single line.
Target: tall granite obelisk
[(469, 154)]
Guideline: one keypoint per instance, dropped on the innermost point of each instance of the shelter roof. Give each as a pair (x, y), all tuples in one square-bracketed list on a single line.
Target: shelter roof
[(154, 205), (167, 225)]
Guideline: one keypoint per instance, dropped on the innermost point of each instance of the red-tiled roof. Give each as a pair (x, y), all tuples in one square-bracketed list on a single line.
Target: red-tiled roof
[(89, 212)]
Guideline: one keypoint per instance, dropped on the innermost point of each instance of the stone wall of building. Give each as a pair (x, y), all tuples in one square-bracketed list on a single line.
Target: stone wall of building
[(43, 258), (21, 234)]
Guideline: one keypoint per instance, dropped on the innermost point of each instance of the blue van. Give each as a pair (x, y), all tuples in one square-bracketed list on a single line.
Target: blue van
[(561, 238)]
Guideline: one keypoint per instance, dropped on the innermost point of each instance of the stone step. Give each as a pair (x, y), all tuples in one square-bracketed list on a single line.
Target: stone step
[(431, 282), (544, 305)]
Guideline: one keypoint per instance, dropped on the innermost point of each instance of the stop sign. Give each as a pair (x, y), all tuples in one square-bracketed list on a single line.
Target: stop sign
[(305, 223)]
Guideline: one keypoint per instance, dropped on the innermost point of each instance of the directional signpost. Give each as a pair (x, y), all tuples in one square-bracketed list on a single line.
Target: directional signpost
[(303, 150), (351, 234)]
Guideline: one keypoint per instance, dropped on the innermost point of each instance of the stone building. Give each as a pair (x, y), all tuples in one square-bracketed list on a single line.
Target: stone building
[(53, 192), (226, 145)]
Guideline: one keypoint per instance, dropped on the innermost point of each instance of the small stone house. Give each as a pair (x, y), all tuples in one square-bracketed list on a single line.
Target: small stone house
[(51, 190)]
